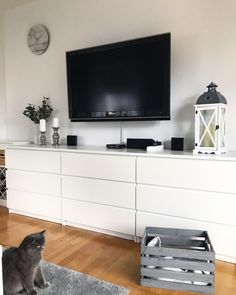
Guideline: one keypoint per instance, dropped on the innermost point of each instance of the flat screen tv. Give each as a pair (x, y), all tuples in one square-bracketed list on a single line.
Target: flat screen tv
[(122, 81)]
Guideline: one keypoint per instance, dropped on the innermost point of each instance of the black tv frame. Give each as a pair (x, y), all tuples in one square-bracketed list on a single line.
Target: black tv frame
[(127, 43)]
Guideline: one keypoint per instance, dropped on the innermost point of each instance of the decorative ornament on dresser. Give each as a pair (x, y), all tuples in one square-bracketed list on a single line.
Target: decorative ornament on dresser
[(55, 135), (210, 115), (37, 113), (42, 129), (38, 39)]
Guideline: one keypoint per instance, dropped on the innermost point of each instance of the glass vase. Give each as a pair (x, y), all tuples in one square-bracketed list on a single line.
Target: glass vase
[(36, 134)]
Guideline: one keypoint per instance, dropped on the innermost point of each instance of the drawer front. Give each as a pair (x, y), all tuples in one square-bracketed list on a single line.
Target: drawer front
[(223, 237), (209, 175), (41, 183), (199, 205), (99, 166), (39, 161), (100, 216), (121, 194), (34, 204)]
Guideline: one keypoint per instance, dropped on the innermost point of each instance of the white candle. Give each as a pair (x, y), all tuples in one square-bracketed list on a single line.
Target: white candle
[(55, 122), (42, 125)]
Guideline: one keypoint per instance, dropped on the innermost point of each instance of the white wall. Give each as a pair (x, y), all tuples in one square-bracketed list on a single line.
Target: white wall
[(203, 50), (4, 5)]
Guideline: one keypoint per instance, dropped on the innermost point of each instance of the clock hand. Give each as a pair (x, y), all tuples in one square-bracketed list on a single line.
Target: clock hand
[(37, 38)]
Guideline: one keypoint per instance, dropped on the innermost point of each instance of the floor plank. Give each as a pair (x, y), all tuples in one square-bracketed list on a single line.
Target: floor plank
[(109, 258)]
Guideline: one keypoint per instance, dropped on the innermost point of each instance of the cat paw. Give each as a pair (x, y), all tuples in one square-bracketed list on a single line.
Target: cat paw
[(33, 292)]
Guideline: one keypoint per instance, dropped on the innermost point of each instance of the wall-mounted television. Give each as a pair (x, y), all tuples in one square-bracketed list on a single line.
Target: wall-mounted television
[(122, 81)]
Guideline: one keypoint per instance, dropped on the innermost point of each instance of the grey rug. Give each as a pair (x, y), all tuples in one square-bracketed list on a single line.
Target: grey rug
[(64, 281)]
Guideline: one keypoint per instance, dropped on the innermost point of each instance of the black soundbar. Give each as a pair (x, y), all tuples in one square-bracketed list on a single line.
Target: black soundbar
[(134, 143), (139, 143)]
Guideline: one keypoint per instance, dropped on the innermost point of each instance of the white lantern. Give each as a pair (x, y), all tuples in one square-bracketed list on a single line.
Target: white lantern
[(210, 114)]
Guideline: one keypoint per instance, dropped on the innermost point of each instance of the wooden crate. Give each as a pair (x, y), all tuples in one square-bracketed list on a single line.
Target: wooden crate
[(183, 260)]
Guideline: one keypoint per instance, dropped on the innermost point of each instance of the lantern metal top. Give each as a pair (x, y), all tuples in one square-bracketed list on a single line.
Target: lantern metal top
[(211, 96)]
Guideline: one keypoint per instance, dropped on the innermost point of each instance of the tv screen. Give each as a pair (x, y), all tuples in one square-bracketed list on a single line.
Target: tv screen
[(121, 81)]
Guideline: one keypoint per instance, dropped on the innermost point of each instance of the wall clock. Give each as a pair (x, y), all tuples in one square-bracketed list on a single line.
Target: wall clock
[(38, 39)]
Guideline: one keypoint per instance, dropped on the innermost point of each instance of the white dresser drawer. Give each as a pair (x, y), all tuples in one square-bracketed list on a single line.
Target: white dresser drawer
[(212, 175), (36, 205), (111, 167), (199, 205), (223, 237), (114, 193), (41, 183), (99, 216), (30, 160)]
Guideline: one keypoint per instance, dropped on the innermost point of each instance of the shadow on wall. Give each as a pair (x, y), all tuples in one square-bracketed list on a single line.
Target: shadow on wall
[(184, 124)]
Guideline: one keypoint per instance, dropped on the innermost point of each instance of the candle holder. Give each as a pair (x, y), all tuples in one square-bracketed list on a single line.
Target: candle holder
[(55, 136), (42, 138)]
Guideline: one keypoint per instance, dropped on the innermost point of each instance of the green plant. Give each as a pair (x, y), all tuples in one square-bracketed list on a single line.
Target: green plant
[(40, 112)]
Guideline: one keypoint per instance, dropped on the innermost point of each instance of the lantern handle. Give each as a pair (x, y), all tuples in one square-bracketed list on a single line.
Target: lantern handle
[(212, 86)]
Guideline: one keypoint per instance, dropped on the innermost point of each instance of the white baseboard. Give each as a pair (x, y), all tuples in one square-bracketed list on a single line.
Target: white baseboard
[(226, 258), (95, 229)]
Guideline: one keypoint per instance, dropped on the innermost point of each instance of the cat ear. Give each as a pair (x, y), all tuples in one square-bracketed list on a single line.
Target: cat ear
[(43, 232)]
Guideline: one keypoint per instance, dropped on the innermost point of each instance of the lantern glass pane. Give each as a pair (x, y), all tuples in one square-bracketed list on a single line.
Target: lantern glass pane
[(222, 125), (207, 128)]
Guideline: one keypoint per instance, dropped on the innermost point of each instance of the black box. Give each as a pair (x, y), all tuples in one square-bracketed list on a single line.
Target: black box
[(72, 140), (139, 143), (177, 143)]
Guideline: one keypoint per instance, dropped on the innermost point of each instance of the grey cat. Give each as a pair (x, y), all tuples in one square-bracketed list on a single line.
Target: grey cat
[(21, 266)]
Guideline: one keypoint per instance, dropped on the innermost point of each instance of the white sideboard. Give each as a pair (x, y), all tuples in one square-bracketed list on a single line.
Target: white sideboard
[(121, 192)]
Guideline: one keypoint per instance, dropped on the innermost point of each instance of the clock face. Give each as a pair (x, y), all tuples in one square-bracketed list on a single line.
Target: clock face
[(38, 39)]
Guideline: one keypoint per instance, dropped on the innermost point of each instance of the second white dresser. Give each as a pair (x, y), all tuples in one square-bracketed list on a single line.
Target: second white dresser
[(194, 193)]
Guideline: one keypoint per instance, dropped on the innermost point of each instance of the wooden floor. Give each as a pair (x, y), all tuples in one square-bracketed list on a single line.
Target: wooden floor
[(109, 258)]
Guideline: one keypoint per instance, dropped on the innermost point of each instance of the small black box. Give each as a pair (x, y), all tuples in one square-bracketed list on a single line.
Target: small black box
[(139, 143), (115, 146), (72, 140), (177, 143)]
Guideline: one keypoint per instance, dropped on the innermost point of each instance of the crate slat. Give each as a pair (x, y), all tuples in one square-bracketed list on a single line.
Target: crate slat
[(177, 286), (175, 232), (173, 252), (183, 264), (177, 275)]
